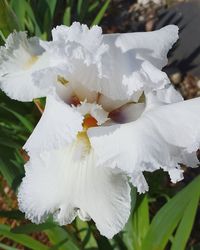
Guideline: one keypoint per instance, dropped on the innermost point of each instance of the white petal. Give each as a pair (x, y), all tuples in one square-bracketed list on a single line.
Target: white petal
[(138, 181), (169, 94), (148, 78), (131, 68), (151, 46), (81, 34), (94, 110), (57, 184), (19, 86), (18, 60), (109, 104), (48, 81), (161, 138), (127, 113), (163, 96), (98, 64), (57, 127), (75, 54)]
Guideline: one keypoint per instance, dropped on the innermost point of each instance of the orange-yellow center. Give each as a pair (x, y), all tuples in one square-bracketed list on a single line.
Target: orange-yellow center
[(89, 122), (82, 136)]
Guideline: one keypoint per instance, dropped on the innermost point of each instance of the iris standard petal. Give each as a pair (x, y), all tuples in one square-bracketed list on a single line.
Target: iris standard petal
[(115, 66), (143, 44)]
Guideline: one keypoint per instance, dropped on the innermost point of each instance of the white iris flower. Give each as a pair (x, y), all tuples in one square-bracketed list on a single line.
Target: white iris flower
[(110, 115), (18, 60)]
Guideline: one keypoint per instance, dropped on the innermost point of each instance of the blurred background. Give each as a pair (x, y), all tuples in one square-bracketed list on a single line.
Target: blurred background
[(168, 216)]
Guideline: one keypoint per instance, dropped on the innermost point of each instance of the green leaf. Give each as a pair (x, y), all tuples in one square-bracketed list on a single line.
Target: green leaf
[(2, 37), (138, 224), (185, 227), (25, 240), (52, 6), (7, 172), (93, 6), (30, 228), (27, 124), (82, 9), (103, 243), (67, 16), (79, 7), (101, 13), (9, 143), (31, 21), (8, 20), (59, 245), (5, 247), (13, 214), (18, 7), (58, 235), (85, 234), (168, 217)]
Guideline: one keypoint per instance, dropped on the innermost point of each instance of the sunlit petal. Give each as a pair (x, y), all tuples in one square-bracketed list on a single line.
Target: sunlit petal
[(56, 183), (18, 60), (57, 127), (162, 137)]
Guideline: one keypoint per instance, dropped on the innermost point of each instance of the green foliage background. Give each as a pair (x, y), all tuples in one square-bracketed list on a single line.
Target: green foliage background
[(168, 227)]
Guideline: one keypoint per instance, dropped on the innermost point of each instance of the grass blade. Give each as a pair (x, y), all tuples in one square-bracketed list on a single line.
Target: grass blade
[(138, 224), (168, 217), (185, 227), (52, 6), (5, 247), (25, 240), (30, 228), (13, 214), (27, 124), (6, 15), (18, 7), (7, 172), (58, 235), (67, 16), (101, 13)]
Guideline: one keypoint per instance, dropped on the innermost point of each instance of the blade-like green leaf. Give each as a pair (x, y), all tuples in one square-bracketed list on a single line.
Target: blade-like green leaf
[(8, 20), (93, 6), (168, 217), (31, 21), (138, 224), (9, 143), (13, 214), (101, 13), (57, 235), (7, 172), (185, 227), (30, 228), (79, 7), (59, 245), (3, 39), (18, 7), (52, 6), (85, 234), (27, 124), (82, 9), (5, 247), (103, 243), (25, 240), (67, 16)]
